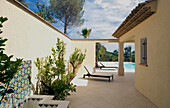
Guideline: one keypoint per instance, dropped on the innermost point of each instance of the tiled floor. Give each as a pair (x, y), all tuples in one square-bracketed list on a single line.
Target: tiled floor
[(99, 93)]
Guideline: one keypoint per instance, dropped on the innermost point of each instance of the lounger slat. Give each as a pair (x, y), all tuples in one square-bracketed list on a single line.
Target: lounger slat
[(103, 66), (96, 74), (102, 74)]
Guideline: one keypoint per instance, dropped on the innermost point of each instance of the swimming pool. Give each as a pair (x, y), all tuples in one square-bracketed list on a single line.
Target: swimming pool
[(127, 65)]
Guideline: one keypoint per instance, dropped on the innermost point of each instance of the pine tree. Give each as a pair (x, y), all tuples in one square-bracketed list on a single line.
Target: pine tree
[(45, 12), (68, 12), (23, 2)]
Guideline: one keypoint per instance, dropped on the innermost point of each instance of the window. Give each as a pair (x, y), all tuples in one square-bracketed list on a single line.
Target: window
[(144, 51)]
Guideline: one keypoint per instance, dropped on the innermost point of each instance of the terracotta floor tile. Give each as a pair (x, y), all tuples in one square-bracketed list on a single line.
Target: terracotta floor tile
[(99, 93)]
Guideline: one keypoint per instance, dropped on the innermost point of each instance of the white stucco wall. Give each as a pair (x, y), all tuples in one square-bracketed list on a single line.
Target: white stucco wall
[(28, 37)]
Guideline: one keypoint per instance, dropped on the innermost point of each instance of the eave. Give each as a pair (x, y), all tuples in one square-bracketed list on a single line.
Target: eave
[(137, 16)]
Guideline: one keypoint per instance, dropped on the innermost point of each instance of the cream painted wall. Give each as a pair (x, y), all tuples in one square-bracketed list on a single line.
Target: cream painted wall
[(154, 81), (90, 46), (27, 36)]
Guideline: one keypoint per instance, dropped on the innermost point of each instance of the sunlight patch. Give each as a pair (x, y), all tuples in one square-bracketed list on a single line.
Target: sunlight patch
[(79, 81)]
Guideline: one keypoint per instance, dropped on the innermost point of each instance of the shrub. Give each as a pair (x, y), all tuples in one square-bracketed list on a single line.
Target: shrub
[(8, 68), (62, 89), (49, 68)]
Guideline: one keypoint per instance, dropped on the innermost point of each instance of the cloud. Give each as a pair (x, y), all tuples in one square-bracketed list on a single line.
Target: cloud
[(46, 2), (104, 16), (115, 46), (110, 46)]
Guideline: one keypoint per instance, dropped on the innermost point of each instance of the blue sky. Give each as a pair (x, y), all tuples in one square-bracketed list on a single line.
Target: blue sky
[(102, 16)]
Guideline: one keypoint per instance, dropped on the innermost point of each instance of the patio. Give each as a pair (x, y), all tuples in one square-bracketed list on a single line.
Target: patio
[(99, 93)]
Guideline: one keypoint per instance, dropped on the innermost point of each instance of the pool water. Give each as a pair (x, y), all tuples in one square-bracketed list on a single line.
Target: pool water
[(128, 65)]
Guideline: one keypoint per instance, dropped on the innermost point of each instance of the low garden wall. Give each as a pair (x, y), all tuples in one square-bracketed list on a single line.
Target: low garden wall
[(44, 101), (22, 89)]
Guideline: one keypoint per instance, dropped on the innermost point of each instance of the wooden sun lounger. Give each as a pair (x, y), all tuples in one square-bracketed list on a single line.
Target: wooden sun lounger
[(91, 72), (103, 66)]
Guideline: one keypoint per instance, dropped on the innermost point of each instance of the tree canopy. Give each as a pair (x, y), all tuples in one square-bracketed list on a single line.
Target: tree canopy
[(103, 55), (23, 2), (68, 12), (86, 32), (127, 53), (45, 12)]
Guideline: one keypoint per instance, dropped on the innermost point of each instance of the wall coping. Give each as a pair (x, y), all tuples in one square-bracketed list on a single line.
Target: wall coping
[(47, 99)]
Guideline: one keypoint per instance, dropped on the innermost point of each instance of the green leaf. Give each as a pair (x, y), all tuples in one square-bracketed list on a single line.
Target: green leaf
[(9, 91), (1, 87), (3, 19), (1, 25)]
